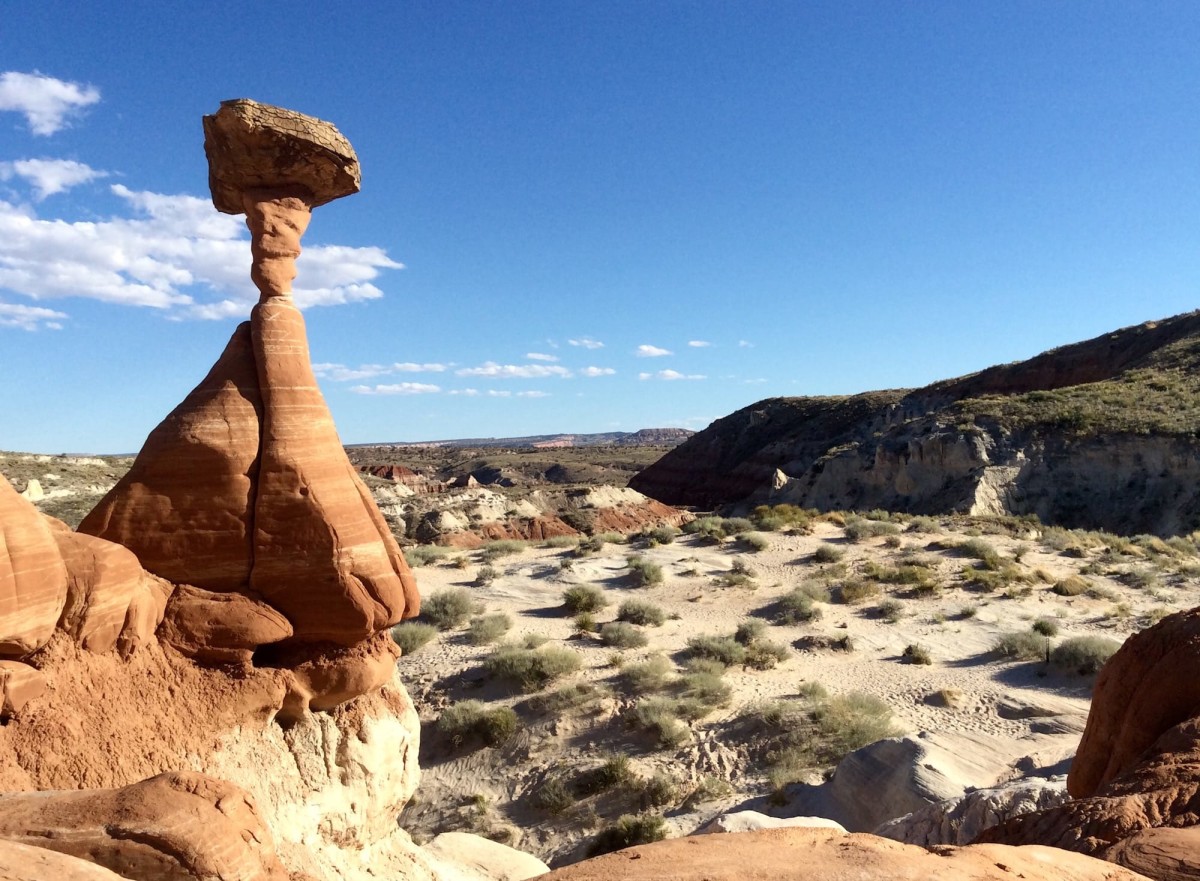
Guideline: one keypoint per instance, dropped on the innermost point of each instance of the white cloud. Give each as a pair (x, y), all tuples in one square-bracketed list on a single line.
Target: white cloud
[(538, 356), (410, 367), (745, 344), (699, 344), (646, 351), (494, 393), (493, 370), (29, 317), (587, 343), (756, 381), (533, 394), (50, 176), (342, 373), (399, 388), (671, 375), (465, 392), (597, 371), (177, 254), (45, 102)]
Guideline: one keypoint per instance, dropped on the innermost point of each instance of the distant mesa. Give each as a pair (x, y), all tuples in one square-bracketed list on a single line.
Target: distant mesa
[(1103, 434), (641, 437)]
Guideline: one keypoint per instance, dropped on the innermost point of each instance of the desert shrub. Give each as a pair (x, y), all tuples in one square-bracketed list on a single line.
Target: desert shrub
[(841, 643), (706, 789), (569, 698), (614, 772), (755, 541), (534, 640), (724, 649), (641, 612), (585, 622), (913, 574), (736, 525), (494, 550), (849, 721), (622, 635), (660, 717), (708, 529), (748, 631), (486, 575), (764, 654), (980, 550), (449, 608), (489, 628), (531, 669), (916, 654), (921, 523), (1143, 579), (554, 797), (561, 541), (854, 591), (700, 692), (944, 697), (890, 611), (628, 831), (1045, 627), (584, 598), (794, 607), (659, 790), (652, 674), (420, 555), (994, 579), (1103, 592), (860, 530), (775, 517), (828, 554), (663, 535), (612, 538), (1021, 645), (1071, 586), (468, 721), (589, 546), (411, 635), (1084, 654), (644, 572)]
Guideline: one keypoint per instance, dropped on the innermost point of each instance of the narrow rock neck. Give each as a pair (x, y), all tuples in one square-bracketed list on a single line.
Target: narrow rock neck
[(277, 218)]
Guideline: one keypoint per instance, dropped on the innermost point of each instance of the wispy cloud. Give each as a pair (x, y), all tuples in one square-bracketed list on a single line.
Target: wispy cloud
[(177, 254), (398, 388), (587, 343), (498, 393), (745, 344), (50, 176), (647, 351), (410, 367), (47, 103), (492, 370), (465, 392), (30, 317), (671, 375), (538, 356), (597, 371), (699, 344), (342, 373)]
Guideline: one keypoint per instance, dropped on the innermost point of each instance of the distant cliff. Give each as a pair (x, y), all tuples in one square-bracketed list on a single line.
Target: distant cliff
[(1099, 434)]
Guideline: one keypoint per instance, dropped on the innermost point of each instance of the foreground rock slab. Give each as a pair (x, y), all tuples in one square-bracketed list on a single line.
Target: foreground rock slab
[(174, 827), (23, 862), (819, 854)]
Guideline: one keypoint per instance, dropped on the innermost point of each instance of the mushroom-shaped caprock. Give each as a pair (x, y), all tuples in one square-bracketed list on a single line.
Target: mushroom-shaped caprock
[(258, 146)]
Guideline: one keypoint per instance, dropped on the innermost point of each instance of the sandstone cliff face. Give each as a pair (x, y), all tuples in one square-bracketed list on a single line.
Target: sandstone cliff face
[(1101, 434)]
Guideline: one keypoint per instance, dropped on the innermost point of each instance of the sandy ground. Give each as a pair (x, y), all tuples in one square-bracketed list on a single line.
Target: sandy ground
[(487, 790)]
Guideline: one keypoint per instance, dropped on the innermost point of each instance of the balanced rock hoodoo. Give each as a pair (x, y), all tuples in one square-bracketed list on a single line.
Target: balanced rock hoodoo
[(245, 486)]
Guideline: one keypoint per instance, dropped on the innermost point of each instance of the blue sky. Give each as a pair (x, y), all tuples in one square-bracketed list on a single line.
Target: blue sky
[(592, 216)]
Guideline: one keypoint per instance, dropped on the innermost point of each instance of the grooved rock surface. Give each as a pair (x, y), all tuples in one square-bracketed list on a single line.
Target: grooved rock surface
[(33, 577), (1163, 854), (323, 554), (185, 506), (22, 862), (112, 602), (253, 145), (178, 826), (461, 856), (819, 854)]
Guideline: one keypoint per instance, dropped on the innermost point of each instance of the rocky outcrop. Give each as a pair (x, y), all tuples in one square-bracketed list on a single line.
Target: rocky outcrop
[(20, 862), (33, 576), (1136, 776), (818, 854), (174, 827), (1036, 437), (961, 820)]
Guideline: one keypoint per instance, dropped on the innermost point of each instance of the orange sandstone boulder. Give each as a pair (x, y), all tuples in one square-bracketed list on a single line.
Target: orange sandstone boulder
[(19, 684), (20, 862), (33, 577), (820, 854), (179, 826), (221, 628)]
